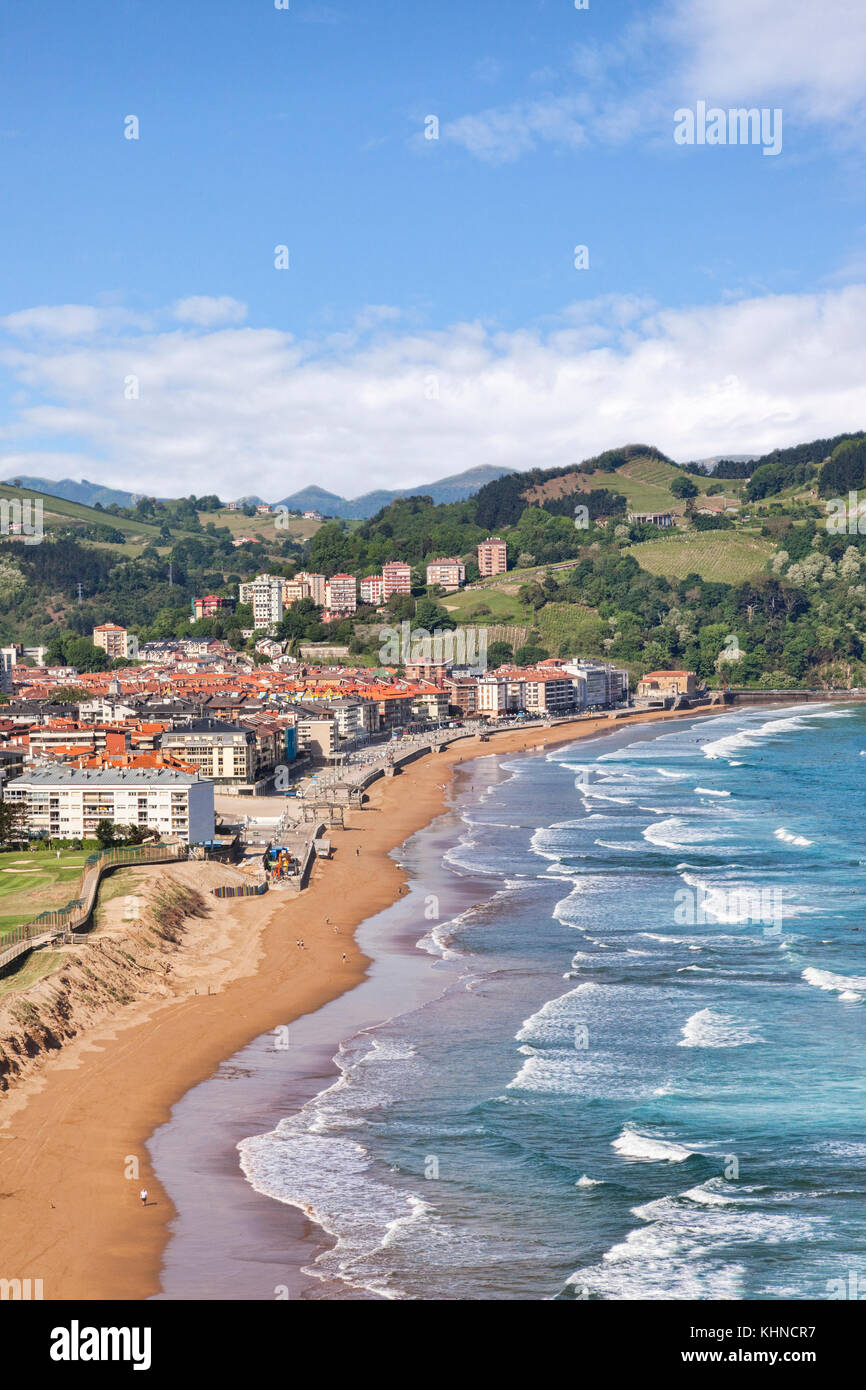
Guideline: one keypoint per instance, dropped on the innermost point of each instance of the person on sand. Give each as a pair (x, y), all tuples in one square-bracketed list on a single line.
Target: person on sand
[(345, 957), (357, 852), (143, 1195)]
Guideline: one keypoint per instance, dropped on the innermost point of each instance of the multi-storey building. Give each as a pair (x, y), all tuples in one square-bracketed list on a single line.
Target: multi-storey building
[(447, 573), (116, 642), (316, 586), (492, 556), (492, 696), (265, 593), (543, 692), (224, 752), (70, 802), (316, 731), (396, 579), (597, 682), (372, 590), (463, 694), (341, 594), (210, 605), (293, 590)]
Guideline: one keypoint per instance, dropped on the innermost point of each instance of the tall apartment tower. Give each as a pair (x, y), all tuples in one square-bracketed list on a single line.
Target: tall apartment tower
[(492, 556), (396, 578)]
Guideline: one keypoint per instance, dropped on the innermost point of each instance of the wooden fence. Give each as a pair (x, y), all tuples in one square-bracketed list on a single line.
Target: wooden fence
[(60, 921)]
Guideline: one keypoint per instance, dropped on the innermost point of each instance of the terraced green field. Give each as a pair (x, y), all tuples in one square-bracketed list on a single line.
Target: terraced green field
[(726, 557)]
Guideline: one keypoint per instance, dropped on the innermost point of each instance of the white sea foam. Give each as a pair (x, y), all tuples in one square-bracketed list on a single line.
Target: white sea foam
[(674, 833), (848, 987), (789, 838), (679, 1250), (647, 1149), (589, 1182), (710, 791), (750, 738), (706, 1028)]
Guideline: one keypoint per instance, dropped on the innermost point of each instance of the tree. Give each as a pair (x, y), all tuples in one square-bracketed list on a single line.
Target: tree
[(12, 815), (530, 654), (682, 486), (498, 653), (106, 833)]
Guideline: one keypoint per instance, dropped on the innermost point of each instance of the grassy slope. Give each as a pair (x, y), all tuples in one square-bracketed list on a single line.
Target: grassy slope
[(262, 527), (723, 556), (644, 483), (59, 511)]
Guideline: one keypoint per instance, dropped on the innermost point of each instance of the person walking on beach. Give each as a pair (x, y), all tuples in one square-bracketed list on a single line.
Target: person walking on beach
[(143, 1195), (357, 852)]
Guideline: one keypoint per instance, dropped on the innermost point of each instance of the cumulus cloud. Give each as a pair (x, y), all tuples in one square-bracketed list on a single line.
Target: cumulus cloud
[(205, 311), (240, 410), (807, 58), (767, 51)]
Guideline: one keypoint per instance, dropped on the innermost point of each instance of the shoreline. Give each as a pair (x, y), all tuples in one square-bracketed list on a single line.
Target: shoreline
[(71, 1214)]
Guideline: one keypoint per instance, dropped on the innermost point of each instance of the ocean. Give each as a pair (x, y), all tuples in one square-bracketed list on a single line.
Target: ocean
[(627, 1060)]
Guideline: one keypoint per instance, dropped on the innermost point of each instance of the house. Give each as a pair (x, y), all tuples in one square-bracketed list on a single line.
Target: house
[(667, 685)]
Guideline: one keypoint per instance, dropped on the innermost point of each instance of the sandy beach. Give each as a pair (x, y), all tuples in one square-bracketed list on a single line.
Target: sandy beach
[(73, 1137)]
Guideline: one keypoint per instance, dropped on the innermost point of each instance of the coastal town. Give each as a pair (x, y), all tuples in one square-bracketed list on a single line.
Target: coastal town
[(161, 744)]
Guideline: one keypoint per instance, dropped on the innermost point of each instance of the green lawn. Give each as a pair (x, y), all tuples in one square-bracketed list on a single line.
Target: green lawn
[(504, 607), (726, 557), (35, 881)]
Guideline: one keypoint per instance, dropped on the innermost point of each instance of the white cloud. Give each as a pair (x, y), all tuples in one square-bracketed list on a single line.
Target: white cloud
[(806, 57), (241, 410), (69, 321), (206, 311), (502, 134), (771, 51)]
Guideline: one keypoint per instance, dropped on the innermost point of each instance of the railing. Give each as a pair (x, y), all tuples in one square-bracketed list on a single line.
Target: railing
[(62, 920)]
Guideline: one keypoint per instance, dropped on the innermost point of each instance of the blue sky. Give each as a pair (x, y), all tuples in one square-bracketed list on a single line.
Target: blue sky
[(432, 317)]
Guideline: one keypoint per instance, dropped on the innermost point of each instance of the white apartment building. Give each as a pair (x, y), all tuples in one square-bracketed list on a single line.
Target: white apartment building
[(542, 692), (396, 579), (448, 573), (372, 590), (341, 593), (265, 593), (70, 802), (492, 696), (596, 682)]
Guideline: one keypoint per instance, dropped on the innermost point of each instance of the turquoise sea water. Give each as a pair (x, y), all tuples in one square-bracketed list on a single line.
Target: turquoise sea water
[(644, 1073)]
